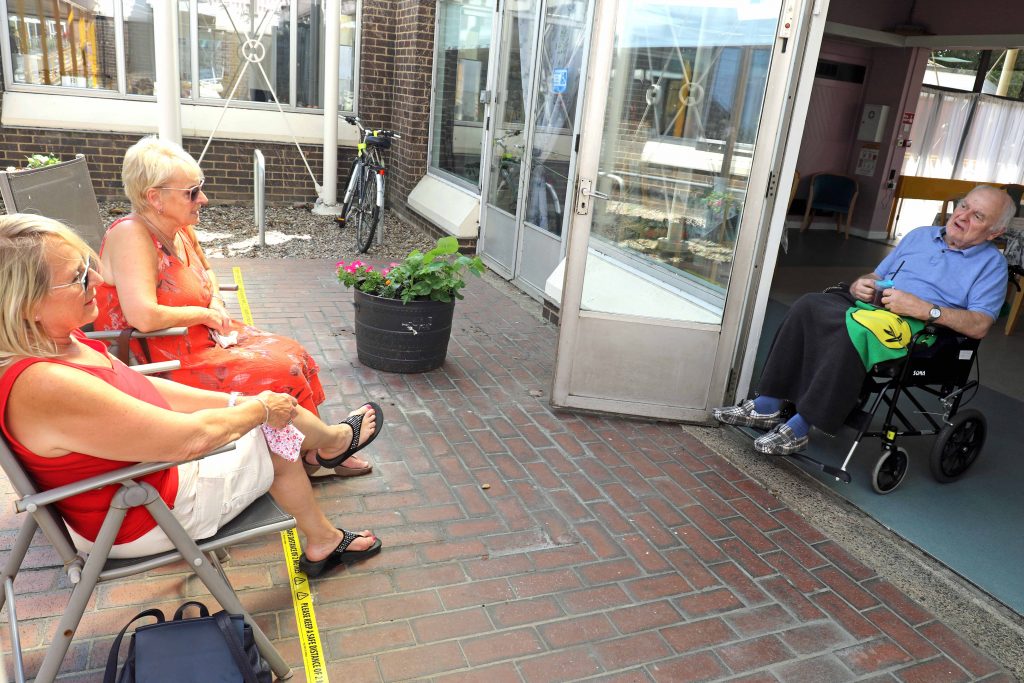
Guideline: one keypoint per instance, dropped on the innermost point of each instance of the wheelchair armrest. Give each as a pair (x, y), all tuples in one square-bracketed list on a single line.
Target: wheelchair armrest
[(50, 496)]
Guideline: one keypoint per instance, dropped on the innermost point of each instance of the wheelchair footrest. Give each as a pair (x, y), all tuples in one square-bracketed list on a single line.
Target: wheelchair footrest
[(836, 472)]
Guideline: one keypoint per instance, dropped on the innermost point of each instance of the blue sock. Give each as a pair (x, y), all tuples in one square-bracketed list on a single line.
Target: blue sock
[(799, 425), (766, 405)]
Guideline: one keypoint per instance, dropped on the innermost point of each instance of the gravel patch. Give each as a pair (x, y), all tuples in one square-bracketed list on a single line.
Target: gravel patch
[(227, 231)]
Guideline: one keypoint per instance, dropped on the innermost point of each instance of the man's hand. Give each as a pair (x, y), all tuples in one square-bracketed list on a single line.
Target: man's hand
[(905, 304), (863, 288)]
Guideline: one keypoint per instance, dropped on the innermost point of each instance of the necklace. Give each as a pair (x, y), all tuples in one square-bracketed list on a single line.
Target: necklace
[(160, 236)]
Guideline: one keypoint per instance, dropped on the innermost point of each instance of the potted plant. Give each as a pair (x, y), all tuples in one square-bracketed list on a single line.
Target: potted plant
[(404, 312)]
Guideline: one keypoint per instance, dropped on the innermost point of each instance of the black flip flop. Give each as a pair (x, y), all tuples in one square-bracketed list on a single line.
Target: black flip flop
[(339, 556), (355, 422)]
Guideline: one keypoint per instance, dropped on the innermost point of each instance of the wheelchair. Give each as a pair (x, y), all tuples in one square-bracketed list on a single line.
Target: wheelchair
[(942, 369)]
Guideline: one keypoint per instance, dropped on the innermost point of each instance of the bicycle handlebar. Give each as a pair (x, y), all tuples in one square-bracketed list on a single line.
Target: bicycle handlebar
[(357, 122)]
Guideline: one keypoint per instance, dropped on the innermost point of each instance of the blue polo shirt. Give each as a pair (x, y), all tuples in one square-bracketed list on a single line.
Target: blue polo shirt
[(972, 279)]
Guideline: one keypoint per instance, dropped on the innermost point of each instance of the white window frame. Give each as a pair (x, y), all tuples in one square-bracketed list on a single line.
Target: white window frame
[(288, 100), (444, 176)]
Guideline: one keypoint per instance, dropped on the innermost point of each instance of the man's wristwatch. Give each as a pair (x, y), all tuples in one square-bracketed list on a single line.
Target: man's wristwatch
[(934, 314)]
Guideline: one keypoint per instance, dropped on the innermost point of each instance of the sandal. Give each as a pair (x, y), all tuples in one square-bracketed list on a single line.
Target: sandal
[(340, 471), (355, 422), (340, 555)]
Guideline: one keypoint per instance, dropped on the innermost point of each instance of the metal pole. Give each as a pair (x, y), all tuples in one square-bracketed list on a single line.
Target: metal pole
[(259, 176), (165, 39), (327, 202), (1009, 63)]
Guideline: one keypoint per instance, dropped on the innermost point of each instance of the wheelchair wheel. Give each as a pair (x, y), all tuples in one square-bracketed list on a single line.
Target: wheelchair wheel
[(958, 445), (889, 471)]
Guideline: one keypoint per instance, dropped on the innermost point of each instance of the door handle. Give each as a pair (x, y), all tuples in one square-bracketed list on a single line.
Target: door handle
[(585, 192)]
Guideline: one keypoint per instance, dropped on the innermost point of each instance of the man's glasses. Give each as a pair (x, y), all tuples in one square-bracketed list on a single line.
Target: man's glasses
[(80, 280), (193, 192)]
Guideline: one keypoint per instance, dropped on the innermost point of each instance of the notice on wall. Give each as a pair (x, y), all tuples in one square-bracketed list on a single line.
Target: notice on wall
[(559, 80), (867, 161)]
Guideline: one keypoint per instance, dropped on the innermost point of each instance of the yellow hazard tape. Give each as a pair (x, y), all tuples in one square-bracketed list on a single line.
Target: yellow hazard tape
[(302, 599)]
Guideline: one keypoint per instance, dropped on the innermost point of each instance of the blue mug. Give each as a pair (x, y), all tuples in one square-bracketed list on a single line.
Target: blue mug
[(879, 286)]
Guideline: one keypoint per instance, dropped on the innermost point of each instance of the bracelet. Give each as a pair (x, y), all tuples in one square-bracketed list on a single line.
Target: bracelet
[(265, 408), (233, 398)]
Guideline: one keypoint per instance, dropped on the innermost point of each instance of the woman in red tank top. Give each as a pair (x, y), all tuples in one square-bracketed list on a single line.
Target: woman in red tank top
[(69, 410), (158, 276)]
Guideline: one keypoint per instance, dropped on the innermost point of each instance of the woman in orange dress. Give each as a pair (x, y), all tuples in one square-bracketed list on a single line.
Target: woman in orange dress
[(157, 276)]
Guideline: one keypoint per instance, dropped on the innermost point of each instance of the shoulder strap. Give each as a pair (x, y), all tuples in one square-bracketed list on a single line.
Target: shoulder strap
[(223, 620), (111, 671)]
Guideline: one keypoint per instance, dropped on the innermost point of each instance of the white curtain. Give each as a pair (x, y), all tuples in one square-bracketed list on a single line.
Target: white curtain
[(936, 133), (993, 150)]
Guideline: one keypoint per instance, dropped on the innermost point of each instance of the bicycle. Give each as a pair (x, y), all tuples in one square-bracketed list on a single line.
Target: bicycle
[(363, 201)]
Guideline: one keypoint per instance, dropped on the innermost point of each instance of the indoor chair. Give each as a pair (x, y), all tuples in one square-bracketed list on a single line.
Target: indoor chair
[(941, 369), (835, 193), (84, 572)]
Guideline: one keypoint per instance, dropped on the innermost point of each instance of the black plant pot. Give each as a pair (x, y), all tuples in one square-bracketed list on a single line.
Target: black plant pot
[(396, 337)]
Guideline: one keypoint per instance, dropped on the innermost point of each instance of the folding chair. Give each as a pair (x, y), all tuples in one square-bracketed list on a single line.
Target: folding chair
[(261, 517), (65, 193)]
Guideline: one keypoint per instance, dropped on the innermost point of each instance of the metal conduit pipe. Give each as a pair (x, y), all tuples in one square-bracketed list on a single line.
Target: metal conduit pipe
[(259, 176)]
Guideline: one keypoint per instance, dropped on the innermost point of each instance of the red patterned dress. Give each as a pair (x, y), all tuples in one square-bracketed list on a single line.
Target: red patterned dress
[(259, 361)]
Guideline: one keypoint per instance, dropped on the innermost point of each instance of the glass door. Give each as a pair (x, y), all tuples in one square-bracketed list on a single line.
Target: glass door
[(512, 91), (549, 165), (684, 116), (532, 137)]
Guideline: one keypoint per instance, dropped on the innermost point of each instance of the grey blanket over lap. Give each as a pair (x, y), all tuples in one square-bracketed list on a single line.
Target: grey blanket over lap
[(812, 362)]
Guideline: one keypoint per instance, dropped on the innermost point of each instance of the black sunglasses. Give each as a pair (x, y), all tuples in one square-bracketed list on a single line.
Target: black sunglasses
[(80, 280), (193, 192)]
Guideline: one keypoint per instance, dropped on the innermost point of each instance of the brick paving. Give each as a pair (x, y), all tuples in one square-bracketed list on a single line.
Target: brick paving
[(603, 549)]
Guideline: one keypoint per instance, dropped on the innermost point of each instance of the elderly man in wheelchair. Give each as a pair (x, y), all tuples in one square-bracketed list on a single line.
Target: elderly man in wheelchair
[(943, 285)]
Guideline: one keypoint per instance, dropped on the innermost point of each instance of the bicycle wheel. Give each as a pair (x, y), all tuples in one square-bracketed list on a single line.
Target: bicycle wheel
[(369, 212)]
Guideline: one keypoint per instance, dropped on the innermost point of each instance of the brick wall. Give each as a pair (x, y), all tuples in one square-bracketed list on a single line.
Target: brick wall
[(228, 164)]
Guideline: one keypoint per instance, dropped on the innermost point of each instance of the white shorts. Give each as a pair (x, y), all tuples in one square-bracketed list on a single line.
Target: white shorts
[(211, 492)]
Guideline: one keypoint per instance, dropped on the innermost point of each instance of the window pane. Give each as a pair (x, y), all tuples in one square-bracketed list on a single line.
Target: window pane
[(310, 32), (184, 49), (347, 57), (685, 96), (223, 52), (464, 37), (955, 69), (74, 48), (139, 52)]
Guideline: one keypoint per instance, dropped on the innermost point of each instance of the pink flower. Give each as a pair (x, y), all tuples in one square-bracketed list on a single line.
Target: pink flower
[(385, 271), (393, 265), (350, 268), (369, 269), (339, 264)]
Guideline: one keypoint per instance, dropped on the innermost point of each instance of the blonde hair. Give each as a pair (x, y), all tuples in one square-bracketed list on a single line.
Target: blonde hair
[(25, 279), (151, 162)]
